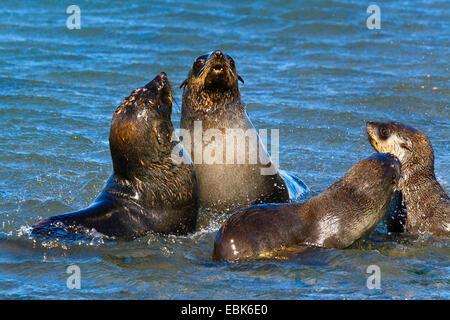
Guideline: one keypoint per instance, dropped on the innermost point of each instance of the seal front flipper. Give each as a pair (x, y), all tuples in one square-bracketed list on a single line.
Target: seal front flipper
[(108, 217), (103, 216)]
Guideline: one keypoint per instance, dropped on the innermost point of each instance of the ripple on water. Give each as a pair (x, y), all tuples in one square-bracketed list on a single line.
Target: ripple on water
[(313, 71)]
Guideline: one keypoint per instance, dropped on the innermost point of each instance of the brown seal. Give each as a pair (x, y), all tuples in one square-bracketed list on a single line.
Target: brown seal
[(211, 98), (422, 205), (336, 218), (147, 191)]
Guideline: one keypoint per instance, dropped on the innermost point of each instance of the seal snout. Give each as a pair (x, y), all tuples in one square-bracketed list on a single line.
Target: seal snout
[(161, 80), (161, 75), (218, 71), (217, 54), (218, 62), (371, 128)]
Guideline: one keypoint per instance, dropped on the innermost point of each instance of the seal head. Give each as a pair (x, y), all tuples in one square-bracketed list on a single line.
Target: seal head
[(141, 130), (212, 86), (411, 146), (215, 73)]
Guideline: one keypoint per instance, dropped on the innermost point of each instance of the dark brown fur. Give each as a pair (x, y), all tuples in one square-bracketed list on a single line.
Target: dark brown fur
[(147, 191), (426, 203), (336, 218)]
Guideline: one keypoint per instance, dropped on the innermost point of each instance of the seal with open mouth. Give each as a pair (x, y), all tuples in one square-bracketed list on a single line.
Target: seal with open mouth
[(212, 103), (421, 203), (336, 218), (147, 191)]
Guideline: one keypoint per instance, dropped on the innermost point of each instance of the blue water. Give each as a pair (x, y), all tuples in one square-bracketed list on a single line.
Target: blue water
[(312, 69)]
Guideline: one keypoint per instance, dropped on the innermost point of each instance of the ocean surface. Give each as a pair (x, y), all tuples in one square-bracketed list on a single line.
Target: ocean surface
[(312, 69)]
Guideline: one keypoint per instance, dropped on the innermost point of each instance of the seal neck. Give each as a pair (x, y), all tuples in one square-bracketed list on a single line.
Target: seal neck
[(162, 183), (212, 102), (418, 167), (137, 159)]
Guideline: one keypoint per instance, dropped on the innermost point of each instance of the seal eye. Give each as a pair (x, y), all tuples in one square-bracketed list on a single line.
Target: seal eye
[(384, 132), (199, 63)]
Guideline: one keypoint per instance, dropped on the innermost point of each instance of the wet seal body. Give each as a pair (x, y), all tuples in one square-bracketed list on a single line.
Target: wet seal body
[(336, 218), (420, 205), (147, 191), (211, 98)]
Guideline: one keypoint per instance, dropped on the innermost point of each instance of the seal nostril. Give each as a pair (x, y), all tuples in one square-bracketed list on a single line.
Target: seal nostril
[(218, 54)]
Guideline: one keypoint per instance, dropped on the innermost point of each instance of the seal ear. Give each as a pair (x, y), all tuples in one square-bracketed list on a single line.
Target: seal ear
[(184, 83), (406, 144), (240, 79)]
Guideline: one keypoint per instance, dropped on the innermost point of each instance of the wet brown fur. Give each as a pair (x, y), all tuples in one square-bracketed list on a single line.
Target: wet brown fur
[(426, 205), (147, 191), (345, 212)]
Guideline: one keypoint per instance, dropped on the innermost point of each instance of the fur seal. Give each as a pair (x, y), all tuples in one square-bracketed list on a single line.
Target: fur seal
[(336, 218), (421, 203), (147, 191), (212, 100)]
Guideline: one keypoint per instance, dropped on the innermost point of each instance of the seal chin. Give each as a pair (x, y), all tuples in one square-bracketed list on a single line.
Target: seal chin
[(218, 68), (373, 142), (160, 87), (218, 80), (166, 97)]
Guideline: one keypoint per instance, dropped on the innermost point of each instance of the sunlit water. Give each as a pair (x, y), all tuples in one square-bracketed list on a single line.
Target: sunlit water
[(312, 70)]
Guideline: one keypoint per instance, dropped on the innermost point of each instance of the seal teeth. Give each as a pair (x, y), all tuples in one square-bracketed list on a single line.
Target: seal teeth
[(218, 68)]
